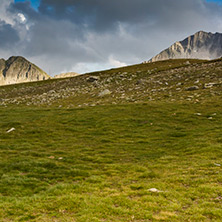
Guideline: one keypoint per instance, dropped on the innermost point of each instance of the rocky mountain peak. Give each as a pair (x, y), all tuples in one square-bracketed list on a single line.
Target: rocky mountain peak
[(201, 45), (17, 69)]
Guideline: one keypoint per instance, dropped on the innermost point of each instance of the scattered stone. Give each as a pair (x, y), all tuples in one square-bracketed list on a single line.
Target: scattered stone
[(192, 88), (198, 114), (60, 158), (52, 157), (217, 164), (154, 190), (139, 82), (209, 85), (210, 117), (11, 130), (105, 92), (92, 78)]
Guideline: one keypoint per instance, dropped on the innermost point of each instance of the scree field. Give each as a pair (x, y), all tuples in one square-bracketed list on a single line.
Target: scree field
[(154, 155)]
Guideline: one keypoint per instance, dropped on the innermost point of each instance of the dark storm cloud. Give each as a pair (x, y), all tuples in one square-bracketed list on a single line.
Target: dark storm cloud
[(8, 35), (68, 34), (101, 15)]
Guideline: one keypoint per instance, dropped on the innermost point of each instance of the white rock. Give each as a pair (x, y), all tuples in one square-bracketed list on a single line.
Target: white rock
[(11, 130), (217, 164), (104, 93), (154, 190)]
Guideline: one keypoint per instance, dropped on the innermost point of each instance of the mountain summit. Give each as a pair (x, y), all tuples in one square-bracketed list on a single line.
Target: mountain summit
[(201, 45), (17, 70)]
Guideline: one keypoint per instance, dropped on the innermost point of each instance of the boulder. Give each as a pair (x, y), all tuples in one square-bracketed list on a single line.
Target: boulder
[(192, 88), (92, 78), (105, 93)]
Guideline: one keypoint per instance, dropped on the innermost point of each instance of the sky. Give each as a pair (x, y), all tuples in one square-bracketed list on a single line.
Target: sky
[(89, 35)]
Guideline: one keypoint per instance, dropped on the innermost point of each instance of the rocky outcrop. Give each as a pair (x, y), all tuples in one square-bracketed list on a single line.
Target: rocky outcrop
[(66, 75), (201, 45), (18, 70)]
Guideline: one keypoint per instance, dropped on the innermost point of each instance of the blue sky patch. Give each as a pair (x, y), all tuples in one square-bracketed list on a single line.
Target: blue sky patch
[(34, 3), (217, 1)]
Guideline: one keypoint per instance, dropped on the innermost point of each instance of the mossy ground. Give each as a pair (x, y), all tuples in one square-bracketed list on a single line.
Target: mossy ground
[(98, 163)]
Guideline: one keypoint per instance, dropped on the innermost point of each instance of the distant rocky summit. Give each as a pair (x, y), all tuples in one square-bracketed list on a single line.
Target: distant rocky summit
[(18, 70), (66, 75), (202, 45)]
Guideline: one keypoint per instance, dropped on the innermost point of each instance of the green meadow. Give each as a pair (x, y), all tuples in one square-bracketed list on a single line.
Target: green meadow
[(99, 163)]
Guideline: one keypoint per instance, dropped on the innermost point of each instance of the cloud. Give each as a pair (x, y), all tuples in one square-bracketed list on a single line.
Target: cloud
[(9, 37), (82, 36), (115, 63), (4, 15), (22, 18)]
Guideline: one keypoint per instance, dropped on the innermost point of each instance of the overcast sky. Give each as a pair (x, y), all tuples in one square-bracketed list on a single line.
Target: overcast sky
[(87, 35)]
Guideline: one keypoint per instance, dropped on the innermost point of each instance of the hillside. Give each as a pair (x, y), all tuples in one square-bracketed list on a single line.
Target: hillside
[(17, 70), (201, 45), (134, 144)]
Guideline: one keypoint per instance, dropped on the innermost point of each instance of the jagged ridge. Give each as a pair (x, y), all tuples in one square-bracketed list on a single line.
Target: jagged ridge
[(202, 45)]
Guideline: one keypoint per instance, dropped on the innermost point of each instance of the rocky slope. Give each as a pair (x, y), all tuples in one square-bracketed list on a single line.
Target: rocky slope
[(17, 70), (193, 81), (201, 45), (66, 75)]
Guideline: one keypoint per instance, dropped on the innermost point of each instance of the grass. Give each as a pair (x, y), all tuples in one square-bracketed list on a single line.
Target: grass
[(75, 157), (98, 163)]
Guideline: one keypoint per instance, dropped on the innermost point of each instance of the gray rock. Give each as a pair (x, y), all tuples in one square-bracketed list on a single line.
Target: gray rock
[(92, 79), (192, 88), (139, 82), (209, 85)]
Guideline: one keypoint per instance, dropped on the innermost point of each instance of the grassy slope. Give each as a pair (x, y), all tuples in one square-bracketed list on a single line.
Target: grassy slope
[(98, 163)]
